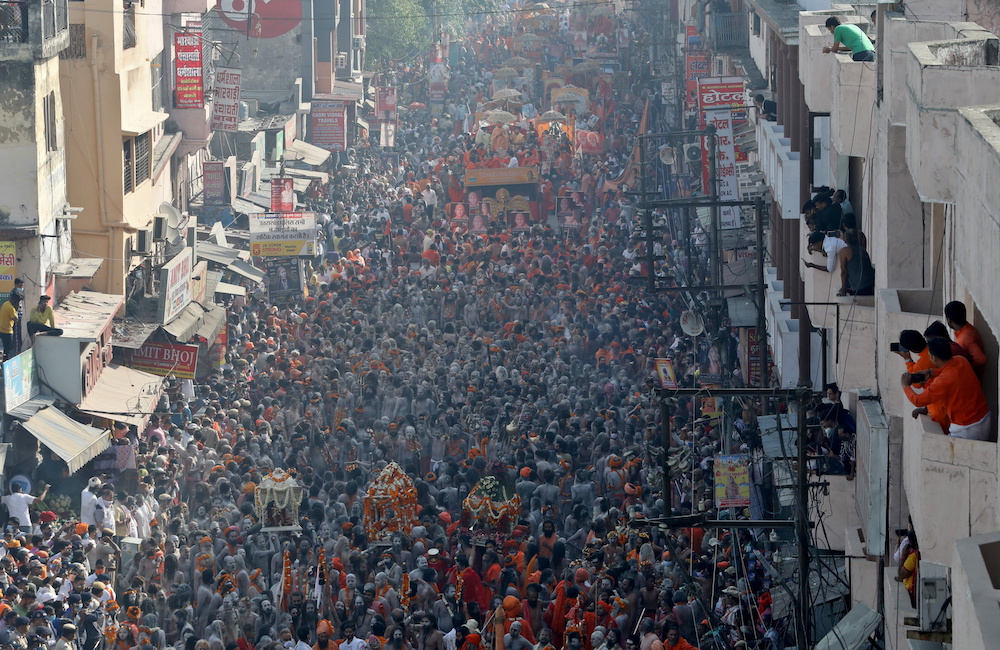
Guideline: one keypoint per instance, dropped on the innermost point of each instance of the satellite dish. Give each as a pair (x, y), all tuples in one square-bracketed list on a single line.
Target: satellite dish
[(175, 223), (692, 323), (667, 155)]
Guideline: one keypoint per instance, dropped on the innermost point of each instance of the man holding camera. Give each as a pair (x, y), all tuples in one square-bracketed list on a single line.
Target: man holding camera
[(953, 384)]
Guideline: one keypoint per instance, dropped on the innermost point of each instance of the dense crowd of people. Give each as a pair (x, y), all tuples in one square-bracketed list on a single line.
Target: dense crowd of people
[(523, 356)]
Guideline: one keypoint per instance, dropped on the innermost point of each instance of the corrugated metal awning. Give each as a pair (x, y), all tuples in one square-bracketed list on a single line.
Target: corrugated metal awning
[(213, 320), (186, 323), (309, 153), (77, 267), (132, 335), (248, 271), (74, 442), (32, 406), (123, 394)]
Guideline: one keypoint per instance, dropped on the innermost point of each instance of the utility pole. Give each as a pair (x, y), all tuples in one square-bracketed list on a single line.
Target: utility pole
[(804, 603), (715, 254)]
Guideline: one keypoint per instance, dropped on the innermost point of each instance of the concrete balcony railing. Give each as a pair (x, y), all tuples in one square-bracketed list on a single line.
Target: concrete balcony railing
[(975, 234), (729, 31), (898, 310), (816, 69), (853, 106), (975, 591), (951, 487), (780, 165), (943, 76), (36, 29)]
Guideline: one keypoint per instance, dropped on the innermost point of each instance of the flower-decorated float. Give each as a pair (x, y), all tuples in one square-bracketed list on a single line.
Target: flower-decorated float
[(390, 505), (277, 501)]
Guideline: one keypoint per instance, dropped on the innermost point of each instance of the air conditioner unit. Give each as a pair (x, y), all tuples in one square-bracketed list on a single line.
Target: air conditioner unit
[(340, 61), (144, 242), (933, 597), (358, 42), (692, 152), (159, 227)]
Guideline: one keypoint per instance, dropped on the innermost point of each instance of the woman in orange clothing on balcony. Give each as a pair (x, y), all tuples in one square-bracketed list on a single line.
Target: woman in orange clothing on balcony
[(912, 342), (954, 384)]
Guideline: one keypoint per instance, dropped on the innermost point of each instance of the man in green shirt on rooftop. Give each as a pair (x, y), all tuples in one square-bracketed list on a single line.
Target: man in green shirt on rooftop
[(849, 38)]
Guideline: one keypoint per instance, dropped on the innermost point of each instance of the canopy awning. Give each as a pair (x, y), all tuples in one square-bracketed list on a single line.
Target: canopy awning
[(140, 122), (72, 441), (123, 394), (212, 321), (249, 271), (231, 289), (309, 153), (77, 267), (32, 406), (186, 323), (132, 335)]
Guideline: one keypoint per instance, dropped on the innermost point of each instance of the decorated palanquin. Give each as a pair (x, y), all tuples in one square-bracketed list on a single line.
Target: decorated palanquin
[(491, 509), (277, 501), (390, 504)]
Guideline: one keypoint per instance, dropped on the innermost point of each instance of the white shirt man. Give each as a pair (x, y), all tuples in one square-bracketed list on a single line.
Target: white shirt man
[(88, 502), (17, 503)]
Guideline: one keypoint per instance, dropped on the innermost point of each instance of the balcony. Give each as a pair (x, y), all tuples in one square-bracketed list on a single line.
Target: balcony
[(898, 310), (729, 31), (975, 589), (780, 166), (816, 69), (31, 30), (853, 86), (951, 487), (941, 77), (976, 234), (849, 320)]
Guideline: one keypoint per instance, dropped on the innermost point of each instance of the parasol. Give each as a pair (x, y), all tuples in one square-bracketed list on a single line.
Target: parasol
[(507, 93), (528, 39), (552, 116), (586, 66), (518, 62), (602, 10), (539, 6), (500, 117), (417, 106), (506, 73)]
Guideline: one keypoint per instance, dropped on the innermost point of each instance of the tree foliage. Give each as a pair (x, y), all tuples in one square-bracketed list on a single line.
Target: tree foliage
[(397, 30)]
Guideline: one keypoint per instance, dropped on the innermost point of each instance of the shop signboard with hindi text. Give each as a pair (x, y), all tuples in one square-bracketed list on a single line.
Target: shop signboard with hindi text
[(732, 481), (328, 124), (20, 383), (285, 234), (226, 99), (213, 177), (166, 359), (189, 82), (175, 285), (8, 266), (728, 187)]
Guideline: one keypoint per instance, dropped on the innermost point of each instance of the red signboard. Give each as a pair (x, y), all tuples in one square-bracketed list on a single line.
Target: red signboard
[(213, 178), (328, 124), (722, 93), (697, 65), (189, 87), (268, 18), (282, 195), (166, 359), (385, 101)]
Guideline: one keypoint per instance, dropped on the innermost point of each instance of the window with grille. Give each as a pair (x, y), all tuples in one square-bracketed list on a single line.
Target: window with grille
[(128, 166), (77, 42), (49, 115), (142, 158)]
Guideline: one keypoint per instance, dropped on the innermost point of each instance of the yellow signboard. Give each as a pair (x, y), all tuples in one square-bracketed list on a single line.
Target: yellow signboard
[(8, 266)]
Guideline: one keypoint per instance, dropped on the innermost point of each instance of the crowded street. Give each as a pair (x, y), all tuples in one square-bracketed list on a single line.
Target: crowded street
[(449, 439)]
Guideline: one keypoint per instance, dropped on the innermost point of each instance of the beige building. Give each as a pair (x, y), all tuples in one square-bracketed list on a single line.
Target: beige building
[(118, 149), (34, 219), (914, 139)]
